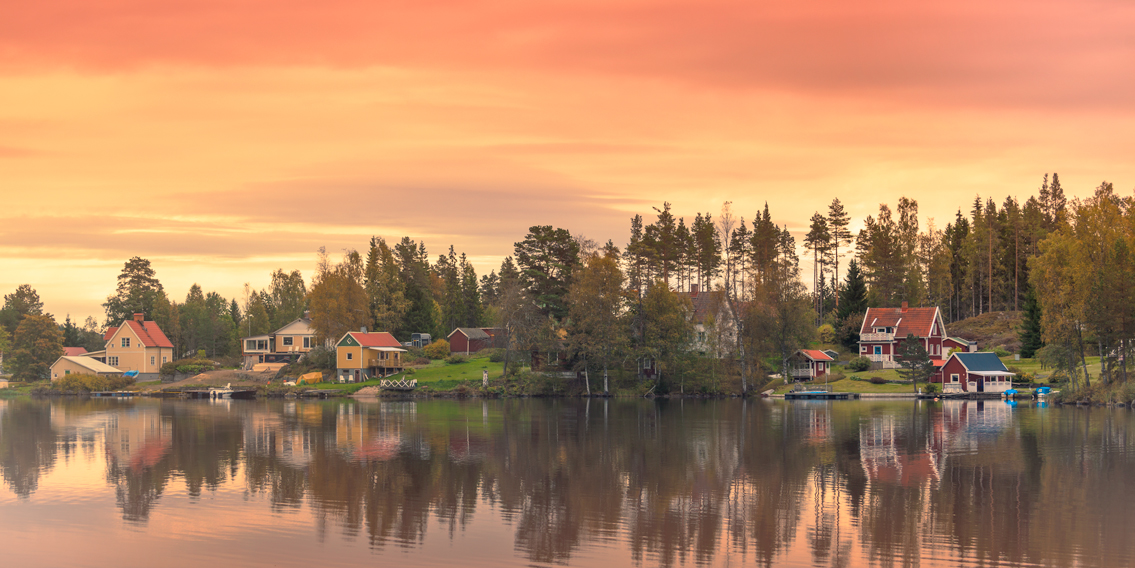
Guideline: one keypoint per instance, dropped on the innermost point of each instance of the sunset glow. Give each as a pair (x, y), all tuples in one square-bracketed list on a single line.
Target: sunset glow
[(224, 139)]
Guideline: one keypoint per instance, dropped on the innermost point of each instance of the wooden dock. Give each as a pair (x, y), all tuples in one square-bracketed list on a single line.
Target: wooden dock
[(114, 394), (819, 395)]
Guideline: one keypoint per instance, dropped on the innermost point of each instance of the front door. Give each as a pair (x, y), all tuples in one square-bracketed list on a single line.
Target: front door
[(981, 384)]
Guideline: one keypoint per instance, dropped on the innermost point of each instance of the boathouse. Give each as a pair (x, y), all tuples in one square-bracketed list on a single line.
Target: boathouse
[(974, 373)]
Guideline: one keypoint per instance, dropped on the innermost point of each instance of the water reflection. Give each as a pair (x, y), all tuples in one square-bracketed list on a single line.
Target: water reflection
[(667, 483)]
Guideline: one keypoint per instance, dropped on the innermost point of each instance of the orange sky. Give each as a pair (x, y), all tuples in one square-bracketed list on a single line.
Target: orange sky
[(224, 138)]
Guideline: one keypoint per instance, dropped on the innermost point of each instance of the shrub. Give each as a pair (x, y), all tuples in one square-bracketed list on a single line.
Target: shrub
[(456, 359), (826, 333), (1001, 352), (187, 366), (87, 383), (321, 357), (859, 364), (878, 381), (932, 388), (420, 361), (437, 350), (495, 354)]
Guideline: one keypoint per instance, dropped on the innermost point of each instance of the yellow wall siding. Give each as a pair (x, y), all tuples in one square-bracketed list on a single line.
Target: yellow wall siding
[(62, 366), (341, 357)]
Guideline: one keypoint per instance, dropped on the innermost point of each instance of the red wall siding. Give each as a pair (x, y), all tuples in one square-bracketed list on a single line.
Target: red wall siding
[(954, 366), (458, 343)]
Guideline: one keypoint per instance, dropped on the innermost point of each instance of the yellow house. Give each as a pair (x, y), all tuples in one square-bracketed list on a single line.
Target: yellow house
[(138, 345), (285, 345), (361, 356), (68, 365)]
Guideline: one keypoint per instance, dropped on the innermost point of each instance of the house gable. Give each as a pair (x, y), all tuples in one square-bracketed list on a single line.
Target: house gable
[(299, 326)]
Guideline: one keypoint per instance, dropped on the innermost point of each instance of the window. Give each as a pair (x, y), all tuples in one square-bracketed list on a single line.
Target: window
[(350, 356), (307, 343), (250, 345), (287, 340), (164, 359), (112, 361), (262, 345), (954, 378), (151, 359), (126, 342), (67, 372)]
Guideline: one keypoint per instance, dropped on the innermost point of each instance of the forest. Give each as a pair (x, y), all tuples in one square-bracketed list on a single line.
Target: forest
[(725, 295)]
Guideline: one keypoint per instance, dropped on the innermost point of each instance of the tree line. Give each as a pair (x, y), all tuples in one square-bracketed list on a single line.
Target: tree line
[(593, 308)]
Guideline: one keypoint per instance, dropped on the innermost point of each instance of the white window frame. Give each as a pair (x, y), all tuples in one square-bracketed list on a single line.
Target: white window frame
[(350, 356), (288, 341), (953, 377), (125, 342), (307, 343)]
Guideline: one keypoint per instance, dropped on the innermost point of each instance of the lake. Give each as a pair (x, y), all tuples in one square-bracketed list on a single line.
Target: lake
[(564, 482)]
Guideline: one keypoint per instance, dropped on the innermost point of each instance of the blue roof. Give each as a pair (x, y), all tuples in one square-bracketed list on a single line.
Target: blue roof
[(979, 362)]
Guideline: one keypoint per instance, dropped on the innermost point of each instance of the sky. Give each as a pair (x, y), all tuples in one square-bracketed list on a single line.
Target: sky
[(222, 139)]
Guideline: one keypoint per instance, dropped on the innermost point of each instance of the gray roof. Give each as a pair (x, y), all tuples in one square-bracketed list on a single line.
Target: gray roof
[(472, 332), (91, 364), (981, 362)]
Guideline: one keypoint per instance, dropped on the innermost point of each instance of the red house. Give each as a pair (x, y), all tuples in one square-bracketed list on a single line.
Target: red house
[(471, 339), (809, 364), (884, 330), (973, 372)]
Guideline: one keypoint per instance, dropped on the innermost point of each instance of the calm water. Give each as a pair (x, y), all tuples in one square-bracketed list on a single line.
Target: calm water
[(522, 482)]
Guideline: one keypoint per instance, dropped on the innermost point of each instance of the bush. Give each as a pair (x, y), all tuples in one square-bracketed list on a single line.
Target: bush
[(420, 361), (932, 388), (88, 383), (437, 350), (456, 359), (187, 366), (859, 364), (321, 357), (495, 354), (1001, 352), (826, 333), (878, 381)]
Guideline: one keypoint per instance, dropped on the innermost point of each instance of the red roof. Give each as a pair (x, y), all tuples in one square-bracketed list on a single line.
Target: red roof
[(74, 351), (148, 333), (375, 339), (918, 321), (816, 355)]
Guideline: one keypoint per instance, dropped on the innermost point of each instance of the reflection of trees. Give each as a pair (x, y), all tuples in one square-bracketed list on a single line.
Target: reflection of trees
[(27, 444), (677, 482)]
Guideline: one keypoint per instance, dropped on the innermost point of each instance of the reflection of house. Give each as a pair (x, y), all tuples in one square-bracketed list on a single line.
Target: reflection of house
[(884, 330), (888, 458), (361, 356), (137, 345), (809, 364), (471, 339), (974, 372), (285, 345), (712, 319), (65, 365)]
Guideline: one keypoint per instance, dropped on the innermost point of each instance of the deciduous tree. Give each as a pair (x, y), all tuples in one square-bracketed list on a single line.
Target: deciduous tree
[(37, 343)]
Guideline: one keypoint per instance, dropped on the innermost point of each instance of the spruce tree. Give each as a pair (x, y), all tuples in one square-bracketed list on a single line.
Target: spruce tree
[(1030, 333), (853, 294)]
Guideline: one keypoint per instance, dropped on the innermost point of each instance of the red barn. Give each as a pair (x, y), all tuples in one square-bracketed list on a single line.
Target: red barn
[(471, 339), (884, 330)]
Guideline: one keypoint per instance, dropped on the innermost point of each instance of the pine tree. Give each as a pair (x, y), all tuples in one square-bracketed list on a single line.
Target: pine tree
[(1031, 333)]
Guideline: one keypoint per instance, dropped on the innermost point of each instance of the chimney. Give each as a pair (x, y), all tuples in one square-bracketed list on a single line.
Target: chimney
[(363, 329), (139, 318), (904, 307), (693, 289)]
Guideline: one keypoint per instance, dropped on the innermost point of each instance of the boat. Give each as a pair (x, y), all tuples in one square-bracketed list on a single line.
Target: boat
[(226, 392)]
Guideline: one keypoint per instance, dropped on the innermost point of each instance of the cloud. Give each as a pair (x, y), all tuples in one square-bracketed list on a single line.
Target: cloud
[(962, 52)]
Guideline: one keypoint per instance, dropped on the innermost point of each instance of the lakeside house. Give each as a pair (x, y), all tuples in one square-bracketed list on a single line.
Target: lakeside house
[(973, 372), (361, 356), (809, 364), (884, 331), (285, 345), (714, 331), (136, 345), (80, 365), (471, 339)]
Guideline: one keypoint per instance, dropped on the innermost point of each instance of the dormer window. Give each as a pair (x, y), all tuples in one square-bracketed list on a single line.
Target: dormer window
[(126, 342)]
